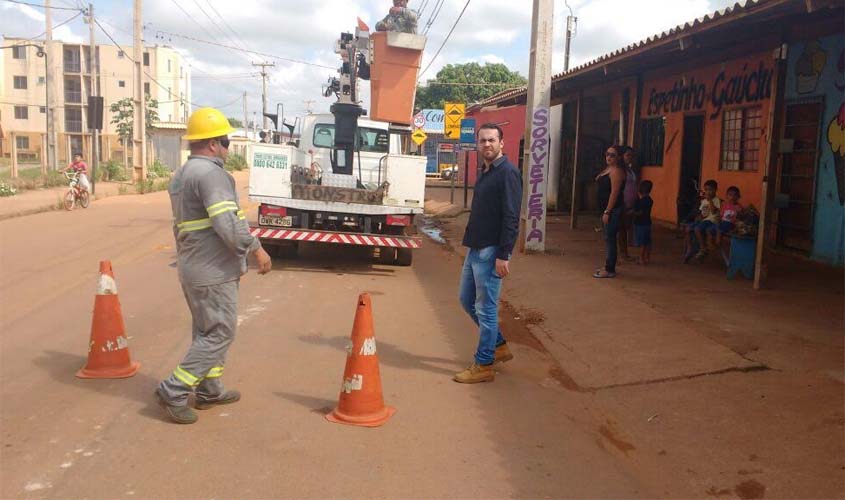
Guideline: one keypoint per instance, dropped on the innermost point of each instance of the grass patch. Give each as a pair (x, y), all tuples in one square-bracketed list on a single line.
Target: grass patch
[(32, 179), (235, 162), (112, 171)]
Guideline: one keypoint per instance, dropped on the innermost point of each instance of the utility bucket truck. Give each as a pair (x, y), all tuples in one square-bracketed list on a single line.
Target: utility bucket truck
[(347, 180)]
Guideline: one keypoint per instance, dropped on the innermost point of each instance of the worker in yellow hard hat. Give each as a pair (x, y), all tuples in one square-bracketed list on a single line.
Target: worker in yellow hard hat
[(212, 244)]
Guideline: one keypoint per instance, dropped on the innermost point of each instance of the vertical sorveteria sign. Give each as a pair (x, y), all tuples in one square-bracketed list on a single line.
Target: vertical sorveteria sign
[(537, 122)]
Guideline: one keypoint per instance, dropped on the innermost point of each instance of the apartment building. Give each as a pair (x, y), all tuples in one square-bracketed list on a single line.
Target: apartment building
[(23, 94)]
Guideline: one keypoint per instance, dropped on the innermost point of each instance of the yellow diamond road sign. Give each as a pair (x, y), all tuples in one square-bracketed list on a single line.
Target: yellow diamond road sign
[(454, 113), (419, 136)]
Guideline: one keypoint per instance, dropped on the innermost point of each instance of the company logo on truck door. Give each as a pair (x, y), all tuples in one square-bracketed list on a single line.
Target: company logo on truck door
[(265, 160)]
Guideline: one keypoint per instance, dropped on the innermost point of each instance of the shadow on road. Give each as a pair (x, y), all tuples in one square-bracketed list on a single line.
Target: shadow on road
[(390, 355), (316, 405), (62, 368)]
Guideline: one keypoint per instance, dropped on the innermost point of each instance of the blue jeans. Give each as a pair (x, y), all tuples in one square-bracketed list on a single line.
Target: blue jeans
[(611, 229), (479, 294)]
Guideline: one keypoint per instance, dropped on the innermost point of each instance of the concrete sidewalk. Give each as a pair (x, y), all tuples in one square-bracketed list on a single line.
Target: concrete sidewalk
[(740, 392), (33, 201)]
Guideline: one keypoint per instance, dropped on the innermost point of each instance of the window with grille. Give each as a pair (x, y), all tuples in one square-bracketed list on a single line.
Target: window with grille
[(42, 80), (42, 109), (18, 52), (22, 142), (20, 82), (21, 113), (121, 83), (146, 58), (651, 141), (121, 54), (741, 132)]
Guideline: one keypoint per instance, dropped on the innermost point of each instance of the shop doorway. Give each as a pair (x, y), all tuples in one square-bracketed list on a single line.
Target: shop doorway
[(797, 181), (690, 181)]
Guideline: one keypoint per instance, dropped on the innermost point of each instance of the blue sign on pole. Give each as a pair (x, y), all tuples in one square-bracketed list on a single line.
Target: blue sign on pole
[(468, 131)]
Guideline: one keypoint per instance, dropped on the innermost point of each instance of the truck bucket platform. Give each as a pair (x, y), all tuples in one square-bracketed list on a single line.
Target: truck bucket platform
[(358, 239)]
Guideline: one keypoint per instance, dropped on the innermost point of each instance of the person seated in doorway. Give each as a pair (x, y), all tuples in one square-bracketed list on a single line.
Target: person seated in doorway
[(706, 220), (400, 18), (81, 169), (730, 209), (642, 221)]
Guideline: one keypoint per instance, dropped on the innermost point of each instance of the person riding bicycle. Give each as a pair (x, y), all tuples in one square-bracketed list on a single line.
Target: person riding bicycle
[(81, 170)]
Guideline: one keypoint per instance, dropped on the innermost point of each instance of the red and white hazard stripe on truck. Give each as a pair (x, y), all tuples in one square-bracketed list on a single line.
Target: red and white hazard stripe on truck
[(311, 236)]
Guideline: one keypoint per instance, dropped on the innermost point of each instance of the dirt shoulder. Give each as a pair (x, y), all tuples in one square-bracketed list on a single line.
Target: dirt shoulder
[(738, 392)]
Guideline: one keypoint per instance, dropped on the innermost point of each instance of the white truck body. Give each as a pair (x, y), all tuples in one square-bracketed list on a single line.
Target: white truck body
[(303, 200)]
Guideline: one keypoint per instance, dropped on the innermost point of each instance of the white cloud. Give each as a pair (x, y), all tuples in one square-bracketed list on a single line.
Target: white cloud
[(496, 31)]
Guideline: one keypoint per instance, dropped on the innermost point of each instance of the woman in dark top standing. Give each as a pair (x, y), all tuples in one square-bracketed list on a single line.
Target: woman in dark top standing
[(612, 199)]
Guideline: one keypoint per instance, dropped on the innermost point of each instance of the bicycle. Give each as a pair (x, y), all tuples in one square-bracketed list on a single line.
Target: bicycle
[(75, 193)]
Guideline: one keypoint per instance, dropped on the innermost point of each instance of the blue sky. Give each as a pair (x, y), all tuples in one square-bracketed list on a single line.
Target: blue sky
[(490, 31)]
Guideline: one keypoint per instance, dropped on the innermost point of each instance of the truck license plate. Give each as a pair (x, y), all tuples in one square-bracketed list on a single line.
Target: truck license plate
[(275, 220)]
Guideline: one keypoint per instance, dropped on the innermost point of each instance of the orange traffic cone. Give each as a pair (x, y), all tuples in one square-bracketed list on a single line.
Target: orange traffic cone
[(361, 401), (108, 351)]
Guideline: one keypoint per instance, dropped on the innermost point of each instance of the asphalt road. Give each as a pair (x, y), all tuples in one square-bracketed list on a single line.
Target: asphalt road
[(522, 436)]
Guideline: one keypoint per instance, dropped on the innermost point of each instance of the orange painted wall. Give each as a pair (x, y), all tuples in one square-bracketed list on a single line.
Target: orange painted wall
[(666, 178)]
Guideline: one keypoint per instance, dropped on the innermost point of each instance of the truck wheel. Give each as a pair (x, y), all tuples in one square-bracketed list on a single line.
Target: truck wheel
[(404, 257), (387, 256)]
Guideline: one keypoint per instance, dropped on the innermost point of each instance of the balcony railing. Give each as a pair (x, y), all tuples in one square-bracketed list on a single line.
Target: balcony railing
[(73, 67), (73, 126), (74, 96)]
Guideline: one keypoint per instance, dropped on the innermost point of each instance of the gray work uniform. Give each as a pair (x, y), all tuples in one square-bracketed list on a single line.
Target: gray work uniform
[(212, 243)]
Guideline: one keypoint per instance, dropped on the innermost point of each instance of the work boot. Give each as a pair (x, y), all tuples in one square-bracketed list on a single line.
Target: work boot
[(224, 399), (475, 373), (503, 353), (179, 414)]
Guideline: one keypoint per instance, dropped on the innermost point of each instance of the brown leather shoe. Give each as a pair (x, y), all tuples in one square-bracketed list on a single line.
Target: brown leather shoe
[(503, 354), (475, 373)]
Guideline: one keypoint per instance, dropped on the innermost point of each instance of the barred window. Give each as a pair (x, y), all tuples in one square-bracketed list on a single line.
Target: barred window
[(22, 142), (21, 113), (651, 141), (741, 132)]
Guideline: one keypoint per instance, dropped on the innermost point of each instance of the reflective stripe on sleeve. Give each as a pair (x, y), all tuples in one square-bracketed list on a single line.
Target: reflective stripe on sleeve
[(222, 207), (194, 225), (215, 372)]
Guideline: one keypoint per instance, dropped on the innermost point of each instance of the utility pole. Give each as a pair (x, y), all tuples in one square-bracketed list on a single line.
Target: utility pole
[(139, 144), (535, 162), (246, 123), (308, 103), (571, 23), (51, 106), (264, 67), (95, 74)]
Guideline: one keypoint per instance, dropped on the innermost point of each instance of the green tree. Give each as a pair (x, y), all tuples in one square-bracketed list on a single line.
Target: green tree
[(468, 83), (123, 116), (235, 123)]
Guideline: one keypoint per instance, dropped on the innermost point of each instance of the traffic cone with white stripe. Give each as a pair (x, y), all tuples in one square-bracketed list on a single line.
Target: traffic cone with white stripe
[(361, 401), (108, 350)]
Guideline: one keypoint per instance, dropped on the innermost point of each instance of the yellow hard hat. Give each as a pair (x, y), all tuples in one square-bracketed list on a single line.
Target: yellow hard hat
[(207, 123)]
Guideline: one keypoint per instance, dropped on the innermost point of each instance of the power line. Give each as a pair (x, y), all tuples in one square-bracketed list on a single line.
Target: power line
[(225, 35), (55, 26), (435, 12), (226, 23), (262, 54), (446, 40), (40, 6), (169, 92)]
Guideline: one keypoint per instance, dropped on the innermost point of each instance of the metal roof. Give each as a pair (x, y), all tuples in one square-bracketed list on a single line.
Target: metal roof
[(720, 17)]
